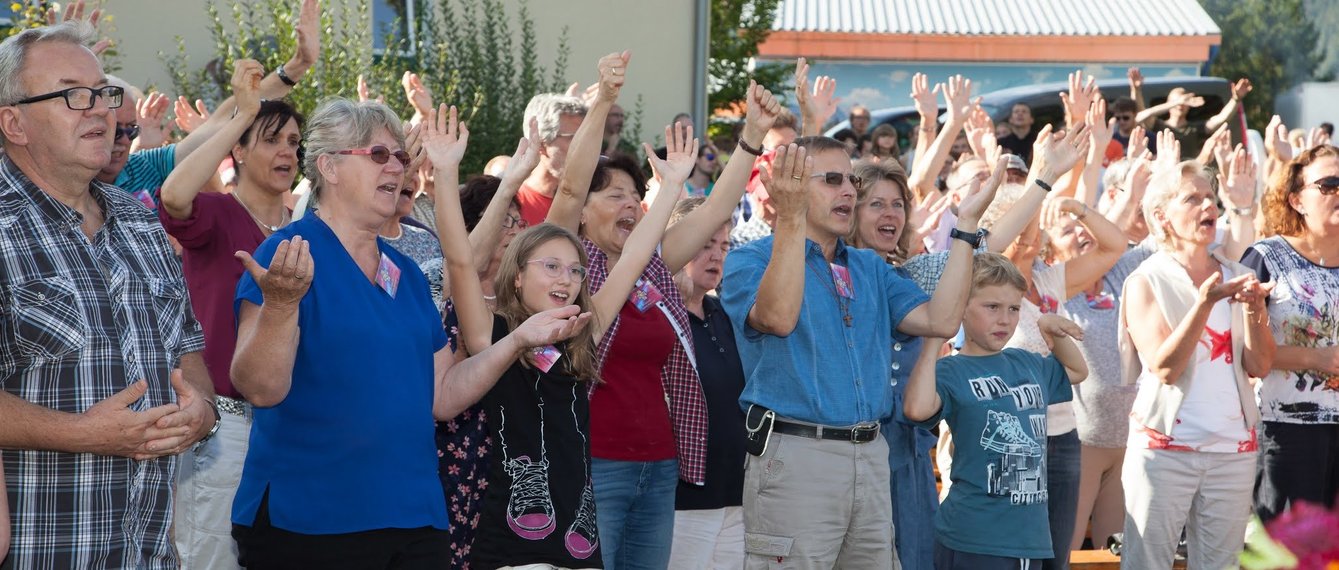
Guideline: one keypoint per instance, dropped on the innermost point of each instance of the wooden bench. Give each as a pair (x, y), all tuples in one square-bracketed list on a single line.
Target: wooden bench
[(1101, 560)]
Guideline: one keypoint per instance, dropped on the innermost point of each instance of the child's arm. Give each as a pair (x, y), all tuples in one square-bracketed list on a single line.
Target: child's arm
[(444, 140), (1057, 332), (681, 153), (921, 400)]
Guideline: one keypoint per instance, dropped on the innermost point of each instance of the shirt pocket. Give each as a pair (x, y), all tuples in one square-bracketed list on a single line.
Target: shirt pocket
[(46, 318), (168, 309)]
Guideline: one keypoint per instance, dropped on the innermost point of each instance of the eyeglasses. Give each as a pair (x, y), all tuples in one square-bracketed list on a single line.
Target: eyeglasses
[(81, 98), (835, 178), (379, 154), (1328, 186), (1123, 118), (554, 269), (129, 132), (511, 221)]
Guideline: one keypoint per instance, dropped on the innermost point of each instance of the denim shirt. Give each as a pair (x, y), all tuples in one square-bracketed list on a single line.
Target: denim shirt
[(823, 372)]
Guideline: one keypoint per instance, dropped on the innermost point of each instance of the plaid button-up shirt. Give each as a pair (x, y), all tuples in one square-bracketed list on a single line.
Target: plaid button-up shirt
[(688, 404), (80, 320)]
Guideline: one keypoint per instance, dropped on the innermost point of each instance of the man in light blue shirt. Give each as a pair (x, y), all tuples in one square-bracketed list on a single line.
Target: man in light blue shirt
[(814, 321)]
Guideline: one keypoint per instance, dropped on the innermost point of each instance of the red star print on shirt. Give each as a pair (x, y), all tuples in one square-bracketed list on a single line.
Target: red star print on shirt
[(1220, 344)]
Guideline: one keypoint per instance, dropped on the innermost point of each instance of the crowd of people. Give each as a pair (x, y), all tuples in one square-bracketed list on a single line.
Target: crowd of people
[(1029, 340)]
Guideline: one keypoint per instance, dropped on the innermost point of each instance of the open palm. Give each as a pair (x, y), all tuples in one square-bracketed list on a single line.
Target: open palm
[(444, 137)]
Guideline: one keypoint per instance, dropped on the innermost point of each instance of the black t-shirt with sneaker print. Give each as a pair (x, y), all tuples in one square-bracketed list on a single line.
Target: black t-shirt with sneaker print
[(539, 506)]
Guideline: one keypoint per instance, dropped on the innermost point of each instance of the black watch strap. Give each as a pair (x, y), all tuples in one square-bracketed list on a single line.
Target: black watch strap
[(283, 76), (973, 238)]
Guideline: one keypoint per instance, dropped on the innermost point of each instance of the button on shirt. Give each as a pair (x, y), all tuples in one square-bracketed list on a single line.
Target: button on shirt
[(823, 372), (83, 319)]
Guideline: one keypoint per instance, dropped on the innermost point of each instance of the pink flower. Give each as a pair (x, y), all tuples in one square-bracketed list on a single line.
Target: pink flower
[(1311, 532)]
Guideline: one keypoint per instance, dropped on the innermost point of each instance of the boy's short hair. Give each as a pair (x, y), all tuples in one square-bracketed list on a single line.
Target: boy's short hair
[(990, 269)]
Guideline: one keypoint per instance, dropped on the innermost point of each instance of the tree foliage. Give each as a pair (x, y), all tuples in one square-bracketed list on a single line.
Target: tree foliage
[(1270, 42), (465, 51), (33, 14), (737, 28)]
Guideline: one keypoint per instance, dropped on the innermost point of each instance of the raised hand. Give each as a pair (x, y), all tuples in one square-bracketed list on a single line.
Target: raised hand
[(1135, 77), (981, 134), (413, 145), (1241, 88), (1055, 210), (526, 157), (1100, 129), (74, 11), (187, 118), (1055, 154), (681, 155), (981, 194), (1079, 97), (613, 72), (1137, 177), (308, 35), (289, 275), (1276, 140), (551, 326), (246, 77), (419, 97), (819, 104), (1054, 327), (152, 119), (1218, 148), (444, 137), (787, 181), (958, 94), (1189, 99), (1138, 146), (1237, 180), (761, 111), (924, 217), (1317, 137), (1169, 151), (927, 104)]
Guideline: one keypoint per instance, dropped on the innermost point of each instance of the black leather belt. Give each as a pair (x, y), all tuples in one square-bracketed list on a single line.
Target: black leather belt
[(857, 434)]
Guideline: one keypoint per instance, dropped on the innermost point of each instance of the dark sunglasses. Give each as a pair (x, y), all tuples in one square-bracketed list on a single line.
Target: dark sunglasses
[(379, 154), (1124, 117), (835, 178), (1328, 186), (129, 132)]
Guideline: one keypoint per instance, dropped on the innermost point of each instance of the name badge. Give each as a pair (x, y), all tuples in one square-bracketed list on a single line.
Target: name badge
[(645, 295), (388, 276), (145, 197), (842, 277), (545, 356)]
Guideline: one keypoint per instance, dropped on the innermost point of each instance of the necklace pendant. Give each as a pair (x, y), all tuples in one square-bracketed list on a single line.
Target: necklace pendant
[(847, 319)]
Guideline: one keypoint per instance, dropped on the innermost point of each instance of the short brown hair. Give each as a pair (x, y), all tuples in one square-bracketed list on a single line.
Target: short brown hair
[(817, 144), (1281, 218), (989, 269)]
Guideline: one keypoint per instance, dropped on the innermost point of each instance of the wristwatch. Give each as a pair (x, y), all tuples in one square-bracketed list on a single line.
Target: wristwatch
[(972, 239), (218, 421), (283, 76)]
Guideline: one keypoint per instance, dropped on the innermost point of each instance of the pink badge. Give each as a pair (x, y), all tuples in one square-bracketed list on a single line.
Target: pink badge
[(545, 356), (145, 198), (645, 295), (388, 275), (842, 277)]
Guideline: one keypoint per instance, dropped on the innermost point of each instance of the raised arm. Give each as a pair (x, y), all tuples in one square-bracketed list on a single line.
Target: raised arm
[(921, 400), (488, 230), (816, 106), (686, 238), (267, 335), (194, 171), (681, 153), (1163, 350), (1136, 80), (958, 94), (1100, 130), (583, 155), (776, 309), (1059, 334), (1124, 210), (927, 108), (1052, 156), (1239, 91), (1237, 191), (1084, 270), (941, 316), (1162, 109)]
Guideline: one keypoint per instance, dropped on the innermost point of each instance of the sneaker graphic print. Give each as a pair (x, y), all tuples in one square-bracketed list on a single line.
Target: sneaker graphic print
[(530, 510), (1019, 470)]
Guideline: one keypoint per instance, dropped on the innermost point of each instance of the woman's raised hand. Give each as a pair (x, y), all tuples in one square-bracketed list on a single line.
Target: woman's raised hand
[(444, 137), (680, 155)]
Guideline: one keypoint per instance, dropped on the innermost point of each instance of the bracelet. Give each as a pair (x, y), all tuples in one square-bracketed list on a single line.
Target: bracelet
[(1044, 186), (751, 150), (1248, 210), (283, 76)]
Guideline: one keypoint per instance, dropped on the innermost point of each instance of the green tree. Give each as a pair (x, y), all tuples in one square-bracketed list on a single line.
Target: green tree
[(33, 14), (1270, 42), (466, 52), (737, 27)]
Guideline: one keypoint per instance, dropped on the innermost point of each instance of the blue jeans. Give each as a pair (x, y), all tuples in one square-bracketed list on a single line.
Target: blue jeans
[(634, 510), (1062, 490)]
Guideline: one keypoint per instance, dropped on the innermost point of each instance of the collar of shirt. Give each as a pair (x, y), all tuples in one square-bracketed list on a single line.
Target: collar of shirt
[(19, 192)]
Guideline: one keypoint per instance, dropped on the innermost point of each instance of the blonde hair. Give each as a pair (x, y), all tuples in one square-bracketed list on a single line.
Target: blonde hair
[(340, 124), (989, 269), (579, 350), (872, 172), (1163, 187)]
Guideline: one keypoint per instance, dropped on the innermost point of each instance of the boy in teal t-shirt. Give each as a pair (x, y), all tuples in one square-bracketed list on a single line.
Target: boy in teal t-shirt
[(994, 401)]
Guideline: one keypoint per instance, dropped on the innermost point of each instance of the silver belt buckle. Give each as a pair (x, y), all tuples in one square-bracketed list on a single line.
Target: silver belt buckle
[(858, 430)]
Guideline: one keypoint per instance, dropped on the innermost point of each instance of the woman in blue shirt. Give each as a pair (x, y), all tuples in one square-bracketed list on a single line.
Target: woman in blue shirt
[(343, 355)]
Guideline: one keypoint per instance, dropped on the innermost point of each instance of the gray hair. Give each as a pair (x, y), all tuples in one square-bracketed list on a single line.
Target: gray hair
[(14, 51), (548, 108), (1008, 194), (340, 124), (1163, 187)]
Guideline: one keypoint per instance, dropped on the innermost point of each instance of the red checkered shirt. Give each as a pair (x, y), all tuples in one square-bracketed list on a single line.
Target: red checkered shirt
[(687, 404)]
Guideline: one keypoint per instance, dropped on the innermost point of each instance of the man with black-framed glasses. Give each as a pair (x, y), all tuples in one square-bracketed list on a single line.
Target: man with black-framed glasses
[(95, 320)]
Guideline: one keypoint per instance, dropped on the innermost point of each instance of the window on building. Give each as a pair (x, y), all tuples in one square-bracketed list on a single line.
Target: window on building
[(392, 23)]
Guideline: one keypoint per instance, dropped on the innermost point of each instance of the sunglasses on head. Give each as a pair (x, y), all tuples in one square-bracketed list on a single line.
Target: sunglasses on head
[(379, 154), (835, 178), (1327, 186)]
